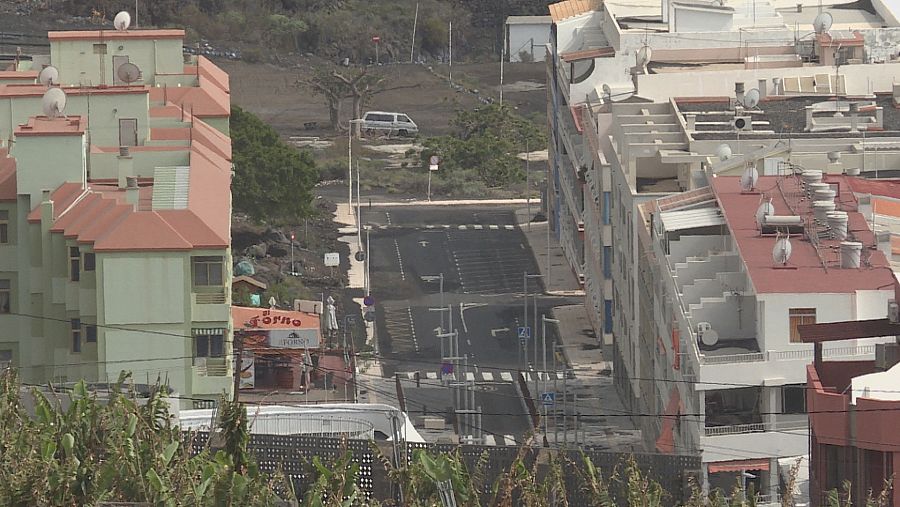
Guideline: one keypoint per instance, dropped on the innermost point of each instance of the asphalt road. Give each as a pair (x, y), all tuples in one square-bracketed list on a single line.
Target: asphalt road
[(482, 256)]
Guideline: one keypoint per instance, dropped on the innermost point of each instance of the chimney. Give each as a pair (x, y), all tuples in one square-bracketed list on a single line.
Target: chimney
[(763, 92), (834, 163), (739, 93), (854, 117), (850, 251), (132, 192), (691, 119), (799, 7), (46, 210), (126, 166), (777, 83), (837, 220)]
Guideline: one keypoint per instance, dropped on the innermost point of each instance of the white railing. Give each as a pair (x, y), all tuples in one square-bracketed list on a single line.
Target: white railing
[(782, 355), (211, 368), (737, 429)]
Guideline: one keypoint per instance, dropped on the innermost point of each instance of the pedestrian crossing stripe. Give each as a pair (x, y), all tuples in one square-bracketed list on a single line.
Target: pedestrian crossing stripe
[(488, 376), (482, 376), (470, 376), (493, 227), (506, 376), (478, 227)]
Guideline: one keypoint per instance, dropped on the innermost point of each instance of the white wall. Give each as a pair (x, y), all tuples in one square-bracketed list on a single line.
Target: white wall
[(754, 445), (529, 37), (860, 79)]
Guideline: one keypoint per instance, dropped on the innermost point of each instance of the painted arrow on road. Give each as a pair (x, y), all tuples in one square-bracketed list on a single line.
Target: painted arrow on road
[(499, 330), (423, 243)]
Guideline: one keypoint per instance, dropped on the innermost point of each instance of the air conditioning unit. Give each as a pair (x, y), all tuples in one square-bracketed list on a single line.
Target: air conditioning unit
[(893, 312), (742, 123), (581, 279)]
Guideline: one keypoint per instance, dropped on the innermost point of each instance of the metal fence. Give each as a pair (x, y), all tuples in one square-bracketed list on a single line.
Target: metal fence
[(292, 454)]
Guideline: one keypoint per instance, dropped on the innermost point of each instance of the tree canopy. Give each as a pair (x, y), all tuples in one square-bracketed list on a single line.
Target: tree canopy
[(487, 141), (272, 181)]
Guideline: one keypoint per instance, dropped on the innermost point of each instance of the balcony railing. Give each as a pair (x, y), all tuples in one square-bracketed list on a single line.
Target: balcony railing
[(209, 295), (738, 429), (787, 355), (210, 366)]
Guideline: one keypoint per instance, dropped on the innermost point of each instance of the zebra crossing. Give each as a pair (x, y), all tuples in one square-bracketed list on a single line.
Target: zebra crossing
[(485, 377), (495, 440), (461, 227), (402, 330)]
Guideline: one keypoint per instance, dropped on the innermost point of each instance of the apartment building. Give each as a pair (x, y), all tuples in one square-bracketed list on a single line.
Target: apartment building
[(853, 412), (115, 225), (602, 55)]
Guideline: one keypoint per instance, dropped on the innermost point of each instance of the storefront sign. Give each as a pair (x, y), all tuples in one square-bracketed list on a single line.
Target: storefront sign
[(294, 338), (268, 319)]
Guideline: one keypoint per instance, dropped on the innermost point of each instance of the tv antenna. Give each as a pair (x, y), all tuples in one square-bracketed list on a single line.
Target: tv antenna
[(122, 21), (128, 73), (822, 22), (54, 102), (49, 76)]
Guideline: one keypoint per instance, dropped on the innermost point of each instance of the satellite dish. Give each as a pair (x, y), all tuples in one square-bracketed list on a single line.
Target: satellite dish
[(751, 99), (765, 209), (122, 21), (782, 251), (822, 22), (128, 73), (49, 76), (643, 56), (708, 336), (607, 92), (749, 178), (54, 102), (723, 151)]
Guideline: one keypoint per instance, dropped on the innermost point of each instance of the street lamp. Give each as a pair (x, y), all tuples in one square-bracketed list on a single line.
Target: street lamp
[(350, 162)]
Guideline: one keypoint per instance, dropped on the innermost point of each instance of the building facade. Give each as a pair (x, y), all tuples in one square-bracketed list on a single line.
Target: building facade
[(115, 217)]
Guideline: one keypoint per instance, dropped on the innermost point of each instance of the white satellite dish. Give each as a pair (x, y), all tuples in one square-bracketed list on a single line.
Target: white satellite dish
[(128, 73), (49, 76), (643, 56), (782, 251), (751, 99), (54, 102), (765, 209), (607, 92), (122, 21), (723, 151), (822, 22), (749, 178), (708, 335)]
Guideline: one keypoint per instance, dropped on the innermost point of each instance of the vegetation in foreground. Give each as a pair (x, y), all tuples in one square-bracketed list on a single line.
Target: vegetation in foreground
[(125, 450)]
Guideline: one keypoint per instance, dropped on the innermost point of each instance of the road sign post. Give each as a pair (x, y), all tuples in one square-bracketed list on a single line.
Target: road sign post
[(433, 164), (548, 399)]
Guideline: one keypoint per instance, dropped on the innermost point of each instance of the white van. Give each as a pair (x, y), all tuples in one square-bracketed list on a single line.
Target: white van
[(389, 123)]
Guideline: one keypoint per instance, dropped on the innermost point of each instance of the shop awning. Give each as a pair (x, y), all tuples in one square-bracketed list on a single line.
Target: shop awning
[(739, 465)]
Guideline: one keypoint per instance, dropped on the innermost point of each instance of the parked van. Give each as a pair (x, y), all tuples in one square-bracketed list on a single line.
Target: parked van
[(389, 123)]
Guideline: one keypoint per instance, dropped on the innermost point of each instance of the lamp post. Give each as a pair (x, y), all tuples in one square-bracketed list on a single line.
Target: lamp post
[(350, 162)]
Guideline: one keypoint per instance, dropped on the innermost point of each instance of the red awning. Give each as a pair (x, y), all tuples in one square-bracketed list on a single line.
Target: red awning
[(666, 441), (739, 465)]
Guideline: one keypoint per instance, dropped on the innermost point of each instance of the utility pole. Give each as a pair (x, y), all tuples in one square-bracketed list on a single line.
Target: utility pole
[(412, 47), (450, 53), (527, 182)]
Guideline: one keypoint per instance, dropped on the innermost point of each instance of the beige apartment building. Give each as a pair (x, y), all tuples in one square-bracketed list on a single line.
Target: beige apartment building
[(115, 215)]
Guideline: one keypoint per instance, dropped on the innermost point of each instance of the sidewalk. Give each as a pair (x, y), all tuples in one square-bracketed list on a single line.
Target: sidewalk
[(604, 421)]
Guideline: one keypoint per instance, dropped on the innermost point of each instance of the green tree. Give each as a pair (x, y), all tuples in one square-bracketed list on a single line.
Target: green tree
[(487, 141), (272, 181)]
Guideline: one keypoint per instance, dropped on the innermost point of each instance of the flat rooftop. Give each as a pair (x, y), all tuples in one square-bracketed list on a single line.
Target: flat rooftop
[(810, 269), (783, 116)]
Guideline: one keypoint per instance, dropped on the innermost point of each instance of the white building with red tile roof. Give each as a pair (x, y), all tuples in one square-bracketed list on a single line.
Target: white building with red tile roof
[(115, 218)]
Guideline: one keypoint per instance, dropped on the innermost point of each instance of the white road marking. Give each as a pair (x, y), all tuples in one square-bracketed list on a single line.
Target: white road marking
[(462, 227), (410, 375), (399, 260), (387, 215), (499, 330), (429, 226), (509, 227), (488, 376), (412, 329), (478, 227), (445, 226), (470, 376), (489, 440), (506, 376), (493, 227), (509, 440), (382, 227)]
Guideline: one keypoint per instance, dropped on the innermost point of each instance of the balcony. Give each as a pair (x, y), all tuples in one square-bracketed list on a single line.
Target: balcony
[(791, 424)]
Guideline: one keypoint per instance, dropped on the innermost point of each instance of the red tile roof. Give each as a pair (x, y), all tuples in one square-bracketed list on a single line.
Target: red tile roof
[(37, 90), (23, 75), (115, 34), (807, 275), (62, 198), (155, 234), (43, 126)]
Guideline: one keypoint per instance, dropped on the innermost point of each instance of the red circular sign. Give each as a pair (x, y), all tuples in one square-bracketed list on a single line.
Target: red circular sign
[(376, 39)]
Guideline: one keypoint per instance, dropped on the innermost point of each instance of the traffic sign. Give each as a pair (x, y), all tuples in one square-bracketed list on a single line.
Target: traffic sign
[(548, 399), (524, 332), (522, 341), (376, 39), (368, 301)]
